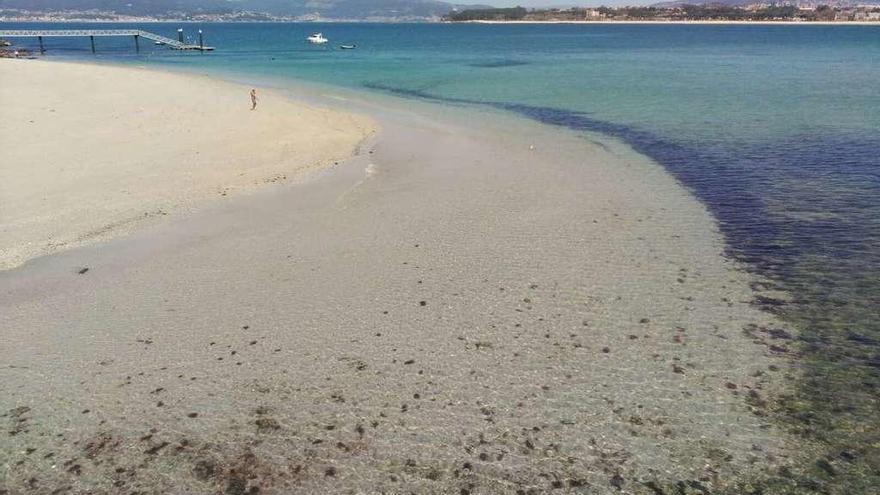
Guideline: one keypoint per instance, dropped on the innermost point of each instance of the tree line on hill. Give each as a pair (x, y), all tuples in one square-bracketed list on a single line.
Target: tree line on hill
[(500, 14)]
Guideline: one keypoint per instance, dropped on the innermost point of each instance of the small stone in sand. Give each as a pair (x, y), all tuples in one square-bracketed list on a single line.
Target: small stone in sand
[(267, 424), (204, 470)]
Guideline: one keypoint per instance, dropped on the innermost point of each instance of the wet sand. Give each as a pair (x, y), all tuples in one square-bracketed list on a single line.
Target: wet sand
[(450, 311)]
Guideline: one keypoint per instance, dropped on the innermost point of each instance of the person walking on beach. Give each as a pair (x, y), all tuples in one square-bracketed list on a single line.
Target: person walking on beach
[(253, 99)]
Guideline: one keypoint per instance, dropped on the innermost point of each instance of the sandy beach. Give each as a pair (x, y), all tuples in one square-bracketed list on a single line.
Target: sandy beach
[(471, 305), (91, 152)]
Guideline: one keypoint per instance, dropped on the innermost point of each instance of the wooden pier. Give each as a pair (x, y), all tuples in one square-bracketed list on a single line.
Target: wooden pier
[(177, 44)]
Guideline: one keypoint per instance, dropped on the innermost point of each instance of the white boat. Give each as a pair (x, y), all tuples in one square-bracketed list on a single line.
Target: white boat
[(317, 38)]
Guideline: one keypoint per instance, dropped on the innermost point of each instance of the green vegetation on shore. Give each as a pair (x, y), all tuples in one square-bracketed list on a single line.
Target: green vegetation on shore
[(509, 14)]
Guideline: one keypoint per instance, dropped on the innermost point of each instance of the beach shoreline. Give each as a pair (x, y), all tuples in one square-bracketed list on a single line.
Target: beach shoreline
[(472, 303)]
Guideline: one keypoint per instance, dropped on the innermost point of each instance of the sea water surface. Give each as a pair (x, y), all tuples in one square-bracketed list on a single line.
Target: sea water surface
[(775, 128)]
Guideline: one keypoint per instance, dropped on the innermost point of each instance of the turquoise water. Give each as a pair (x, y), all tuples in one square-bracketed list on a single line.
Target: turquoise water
[(775, 128)]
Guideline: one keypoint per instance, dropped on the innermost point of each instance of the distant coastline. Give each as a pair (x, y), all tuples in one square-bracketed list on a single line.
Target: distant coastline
[(441, 21), (13, 15), (799, 23), (684, 14), (129, 20), (388, 11)]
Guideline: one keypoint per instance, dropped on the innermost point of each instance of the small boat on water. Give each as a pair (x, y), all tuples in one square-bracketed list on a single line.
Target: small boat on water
[(347, 47), (158, 42), (317, 39)]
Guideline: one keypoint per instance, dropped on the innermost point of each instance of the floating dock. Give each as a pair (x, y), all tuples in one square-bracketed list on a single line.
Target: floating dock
[(177, 44)]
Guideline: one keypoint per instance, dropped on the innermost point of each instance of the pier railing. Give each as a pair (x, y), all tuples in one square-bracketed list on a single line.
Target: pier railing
[(92, 33)]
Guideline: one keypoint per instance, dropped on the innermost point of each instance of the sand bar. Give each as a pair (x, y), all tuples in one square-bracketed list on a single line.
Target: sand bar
[(89, 152), (472, 305)]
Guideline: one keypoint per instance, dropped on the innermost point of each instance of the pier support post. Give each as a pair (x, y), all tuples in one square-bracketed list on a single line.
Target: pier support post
[(137, 45), (180, 35), (93, 43), (42, 50)]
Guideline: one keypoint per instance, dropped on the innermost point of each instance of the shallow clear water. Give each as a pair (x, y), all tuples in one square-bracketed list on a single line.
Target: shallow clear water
[(775, 128)]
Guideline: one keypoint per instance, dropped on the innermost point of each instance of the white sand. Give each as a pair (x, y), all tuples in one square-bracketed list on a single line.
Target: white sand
[(449, 312), (89, 152)]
